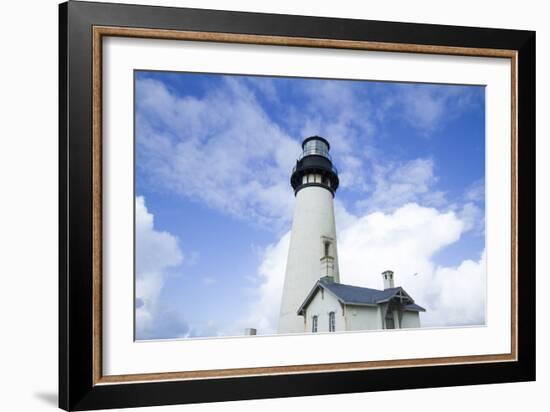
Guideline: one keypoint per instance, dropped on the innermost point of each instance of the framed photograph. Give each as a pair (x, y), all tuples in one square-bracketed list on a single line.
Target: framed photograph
[(257, 205)]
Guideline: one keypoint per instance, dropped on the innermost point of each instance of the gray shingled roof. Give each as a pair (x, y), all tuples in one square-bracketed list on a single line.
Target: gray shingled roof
[(355, 295)]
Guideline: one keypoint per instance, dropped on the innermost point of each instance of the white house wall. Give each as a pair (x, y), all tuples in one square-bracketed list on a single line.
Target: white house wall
[(363, 317), (410, 319), (352, 317), (322, 306)]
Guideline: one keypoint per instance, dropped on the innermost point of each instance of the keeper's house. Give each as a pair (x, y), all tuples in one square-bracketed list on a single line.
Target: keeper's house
[(333, 307)]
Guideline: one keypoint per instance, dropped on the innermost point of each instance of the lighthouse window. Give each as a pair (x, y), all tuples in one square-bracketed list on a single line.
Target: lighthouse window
[(331, 322), (314, 321), (316, 147)]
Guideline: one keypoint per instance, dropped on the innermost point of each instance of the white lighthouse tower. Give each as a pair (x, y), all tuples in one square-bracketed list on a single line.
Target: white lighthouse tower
[(313, 252)]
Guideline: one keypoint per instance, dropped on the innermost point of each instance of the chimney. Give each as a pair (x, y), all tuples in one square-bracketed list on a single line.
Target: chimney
[(388, 279)]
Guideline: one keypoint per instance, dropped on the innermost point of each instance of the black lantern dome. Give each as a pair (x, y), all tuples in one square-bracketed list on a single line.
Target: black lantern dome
[(314, 167)]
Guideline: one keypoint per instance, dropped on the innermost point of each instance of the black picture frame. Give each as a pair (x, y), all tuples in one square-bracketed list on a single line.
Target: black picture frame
[(77, 390)]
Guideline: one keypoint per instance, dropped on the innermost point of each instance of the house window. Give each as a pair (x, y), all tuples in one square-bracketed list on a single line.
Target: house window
[(331, 322), (314, 321)]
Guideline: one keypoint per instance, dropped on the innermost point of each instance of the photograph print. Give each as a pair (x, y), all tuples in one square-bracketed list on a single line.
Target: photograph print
[(282, 205)]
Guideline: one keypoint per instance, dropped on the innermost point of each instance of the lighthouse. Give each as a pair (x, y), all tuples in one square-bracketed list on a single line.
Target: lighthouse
[(313, 299), (313, 252)]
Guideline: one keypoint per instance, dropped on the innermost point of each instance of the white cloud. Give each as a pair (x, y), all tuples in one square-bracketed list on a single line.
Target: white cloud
[(207, 147), (462, 294), (473, 218), (352, 176), (404, 241), (397, 183), (156, 252), (222, 150), (423, 109), (208, 280), (476, 191), (265, 86), (427, 108), (472, 211), (264, 310)]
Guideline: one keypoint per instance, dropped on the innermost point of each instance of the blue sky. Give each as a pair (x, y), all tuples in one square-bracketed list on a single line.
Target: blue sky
[(214, 204)]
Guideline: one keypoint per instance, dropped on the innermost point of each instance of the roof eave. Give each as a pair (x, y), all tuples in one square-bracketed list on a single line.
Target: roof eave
[(309, 298), (372, 305), (418, 308)]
